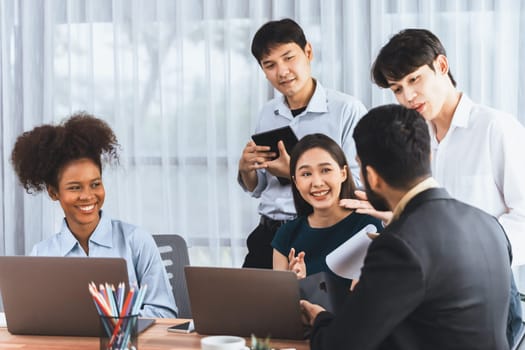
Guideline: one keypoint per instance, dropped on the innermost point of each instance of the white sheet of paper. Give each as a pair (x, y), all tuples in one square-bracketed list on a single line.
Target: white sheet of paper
[(347, 259)]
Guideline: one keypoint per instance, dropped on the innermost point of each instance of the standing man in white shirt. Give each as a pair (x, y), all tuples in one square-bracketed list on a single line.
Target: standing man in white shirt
[(281, 49), (476, 150)]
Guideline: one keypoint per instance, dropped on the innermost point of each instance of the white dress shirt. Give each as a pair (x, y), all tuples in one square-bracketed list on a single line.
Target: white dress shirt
[(480, 161)]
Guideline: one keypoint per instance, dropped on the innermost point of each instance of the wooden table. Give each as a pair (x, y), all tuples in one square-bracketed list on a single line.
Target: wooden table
[(154, 338)]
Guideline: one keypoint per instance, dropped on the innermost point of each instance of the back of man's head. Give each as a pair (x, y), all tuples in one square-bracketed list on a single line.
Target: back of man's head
[(274, 33), (395, 141), (404, 53)]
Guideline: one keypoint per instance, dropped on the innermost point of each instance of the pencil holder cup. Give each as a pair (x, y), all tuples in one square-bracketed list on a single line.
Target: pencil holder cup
[(119, 333)]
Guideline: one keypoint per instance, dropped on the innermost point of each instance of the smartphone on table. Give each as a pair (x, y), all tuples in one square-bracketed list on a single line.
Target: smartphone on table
[(186, 327)]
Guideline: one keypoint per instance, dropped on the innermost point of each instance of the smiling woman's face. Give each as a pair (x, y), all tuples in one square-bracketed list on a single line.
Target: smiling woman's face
[(318, 179), (80, 193)]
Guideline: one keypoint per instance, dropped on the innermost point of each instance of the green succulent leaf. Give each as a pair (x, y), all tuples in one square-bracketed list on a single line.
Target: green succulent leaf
[(259, 344)]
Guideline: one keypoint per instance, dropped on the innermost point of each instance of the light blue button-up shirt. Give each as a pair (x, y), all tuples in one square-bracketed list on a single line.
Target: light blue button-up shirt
[(116, 239), (329, 112)]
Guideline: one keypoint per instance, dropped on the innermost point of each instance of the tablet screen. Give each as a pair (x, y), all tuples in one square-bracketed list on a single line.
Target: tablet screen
[(271, 137)]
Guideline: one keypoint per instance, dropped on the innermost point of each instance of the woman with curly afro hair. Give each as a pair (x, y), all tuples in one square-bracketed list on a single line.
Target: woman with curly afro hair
[(65, 160)]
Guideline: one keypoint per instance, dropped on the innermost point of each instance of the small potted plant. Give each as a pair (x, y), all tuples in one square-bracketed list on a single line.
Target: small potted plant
[(260, 344)]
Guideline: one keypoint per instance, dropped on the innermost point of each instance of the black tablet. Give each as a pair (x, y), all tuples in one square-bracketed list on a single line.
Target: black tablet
[(271, 137)]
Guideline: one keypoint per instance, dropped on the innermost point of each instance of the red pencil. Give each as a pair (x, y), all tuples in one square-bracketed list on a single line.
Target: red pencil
[(123, 313), (100, 301)]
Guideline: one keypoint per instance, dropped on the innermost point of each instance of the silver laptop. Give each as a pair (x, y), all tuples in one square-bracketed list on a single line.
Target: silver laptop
[(242, 302), (50, 296)]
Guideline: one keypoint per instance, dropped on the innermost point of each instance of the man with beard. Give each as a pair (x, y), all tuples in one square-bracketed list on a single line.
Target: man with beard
[(438, 276), (485, 142)]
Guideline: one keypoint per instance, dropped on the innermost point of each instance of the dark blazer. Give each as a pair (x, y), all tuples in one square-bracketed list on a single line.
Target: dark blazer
[(436, 278)]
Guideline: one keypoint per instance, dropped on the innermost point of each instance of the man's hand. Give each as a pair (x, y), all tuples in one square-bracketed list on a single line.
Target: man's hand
[(297, 264), (310, 311), (362, 205), (280, 166), (253, 157)]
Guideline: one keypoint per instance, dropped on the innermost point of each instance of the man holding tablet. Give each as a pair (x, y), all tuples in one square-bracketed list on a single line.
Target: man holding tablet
[(281, 49)]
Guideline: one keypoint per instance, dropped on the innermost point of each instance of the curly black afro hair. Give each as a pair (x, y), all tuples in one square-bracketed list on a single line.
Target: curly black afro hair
[(40, 154)]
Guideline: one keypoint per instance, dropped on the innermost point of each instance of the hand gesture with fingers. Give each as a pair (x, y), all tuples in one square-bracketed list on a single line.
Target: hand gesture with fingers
[(297, 264)]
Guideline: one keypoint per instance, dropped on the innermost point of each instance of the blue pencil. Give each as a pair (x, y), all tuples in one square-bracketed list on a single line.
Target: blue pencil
[(110, 293), (121, 293), (140, 298)]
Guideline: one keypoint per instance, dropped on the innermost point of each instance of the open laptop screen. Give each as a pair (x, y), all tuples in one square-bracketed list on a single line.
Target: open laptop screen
[(49, 295), (245, 301)]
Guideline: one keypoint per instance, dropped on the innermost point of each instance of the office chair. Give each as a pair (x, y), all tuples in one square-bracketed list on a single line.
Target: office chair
[(174, 253)]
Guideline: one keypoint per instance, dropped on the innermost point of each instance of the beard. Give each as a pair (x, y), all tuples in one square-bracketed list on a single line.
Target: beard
[(376, 200)]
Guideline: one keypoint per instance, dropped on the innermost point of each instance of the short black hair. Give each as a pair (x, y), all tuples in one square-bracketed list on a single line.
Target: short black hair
[(395, 141), (273, 33), (325, 143), (404, 53)]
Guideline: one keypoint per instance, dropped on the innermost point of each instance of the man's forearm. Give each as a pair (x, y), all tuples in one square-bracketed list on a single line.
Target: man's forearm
[(249, 179)]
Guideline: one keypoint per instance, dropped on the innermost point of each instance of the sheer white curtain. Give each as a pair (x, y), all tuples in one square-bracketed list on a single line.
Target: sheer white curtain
[(176, 81)]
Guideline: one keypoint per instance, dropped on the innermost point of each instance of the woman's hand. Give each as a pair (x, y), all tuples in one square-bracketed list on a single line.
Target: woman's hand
[(297, 264)]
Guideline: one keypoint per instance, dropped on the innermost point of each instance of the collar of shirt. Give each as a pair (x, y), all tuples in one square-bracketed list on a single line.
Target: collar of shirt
[(317, 104), (414, 191), (460, 119), (101, 236), (461, 116)]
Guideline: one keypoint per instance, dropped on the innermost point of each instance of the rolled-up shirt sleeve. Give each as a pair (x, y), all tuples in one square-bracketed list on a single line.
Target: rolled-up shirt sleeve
[(261, 184)]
